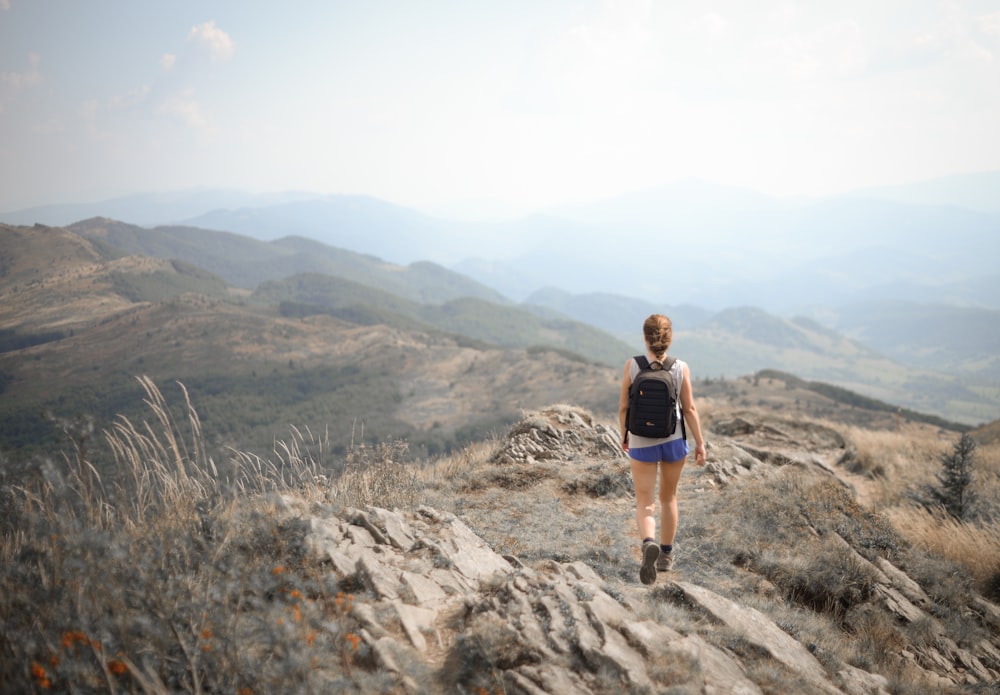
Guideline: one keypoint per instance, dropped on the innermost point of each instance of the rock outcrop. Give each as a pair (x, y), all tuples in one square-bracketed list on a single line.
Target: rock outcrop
[(439, 611), (559, 432), (428, 587)]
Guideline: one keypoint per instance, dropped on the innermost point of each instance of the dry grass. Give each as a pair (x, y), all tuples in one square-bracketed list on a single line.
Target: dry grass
[(976, 547), (901, 464), (181, 575), (897, 462), (205, 584)]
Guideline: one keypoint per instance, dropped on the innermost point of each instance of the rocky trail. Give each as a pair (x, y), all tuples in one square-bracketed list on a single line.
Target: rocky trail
[(438, 608)]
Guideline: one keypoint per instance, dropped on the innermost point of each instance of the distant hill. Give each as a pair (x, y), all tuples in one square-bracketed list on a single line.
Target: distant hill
[(52, 279), (79, 322), (685, 243), (247, 262), (934, 358), (148, 209), (988, 433), (956, 340), (783, 257), (361, 223), (479, 320), (976, 191), (746, 340), (619, 315)]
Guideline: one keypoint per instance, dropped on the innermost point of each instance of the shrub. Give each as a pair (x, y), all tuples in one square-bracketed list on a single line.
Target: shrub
[(975, 547), (955, 493)]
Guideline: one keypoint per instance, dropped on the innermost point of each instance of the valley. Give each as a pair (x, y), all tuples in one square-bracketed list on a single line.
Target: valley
[(268, 336)]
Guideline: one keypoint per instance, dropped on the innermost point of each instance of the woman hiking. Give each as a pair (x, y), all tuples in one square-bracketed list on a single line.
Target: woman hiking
[(664, 455)]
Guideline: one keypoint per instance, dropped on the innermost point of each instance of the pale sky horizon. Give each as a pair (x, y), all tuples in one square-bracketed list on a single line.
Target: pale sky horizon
[(526, 104)]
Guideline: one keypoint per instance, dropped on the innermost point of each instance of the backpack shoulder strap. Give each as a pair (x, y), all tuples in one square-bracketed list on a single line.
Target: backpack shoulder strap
[(669, 362), (642, 361)]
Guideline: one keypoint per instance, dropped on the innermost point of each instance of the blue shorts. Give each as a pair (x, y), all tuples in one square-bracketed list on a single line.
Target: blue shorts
[(674, 450)]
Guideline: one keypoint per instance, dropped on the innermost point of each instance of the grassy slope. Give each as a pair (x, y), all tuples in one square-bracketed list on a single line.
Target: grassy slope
[(401, 365), (785, 543), (254, 372), (747, 340), (248, 262), (484, 321)]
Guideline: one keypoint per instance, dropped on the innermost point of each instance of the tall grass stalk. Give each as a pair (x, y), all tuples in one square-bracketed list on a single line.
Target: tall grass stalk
[(156, 571), (976, 547)]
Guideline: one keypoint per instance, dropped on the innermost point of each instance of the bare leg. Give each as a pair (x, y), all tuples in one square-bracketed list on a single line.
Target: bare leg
[(644, 482), (670, 474)]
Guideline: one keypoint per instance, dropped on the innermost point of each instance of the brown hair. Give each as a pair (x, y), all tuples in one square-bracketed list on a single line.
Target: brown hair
[(658, 332)]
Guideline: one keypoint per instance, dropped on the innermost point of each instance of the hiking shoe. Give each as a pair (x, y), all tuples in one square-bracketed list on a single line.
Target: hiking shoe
[(650, 554), (665, 562)]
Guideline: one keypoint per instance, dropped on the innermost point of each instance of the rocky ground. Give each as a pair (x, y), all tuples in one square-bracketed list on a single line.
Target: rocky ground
[(442, 608)]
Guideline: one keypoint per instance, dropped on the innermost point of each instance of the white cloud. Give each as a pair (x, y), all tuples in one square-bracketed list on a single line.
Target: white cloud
[(990, 24), (168, 61), (185, 108), (12, 83), (188, 111), (49, 127), (133, 97), (711, 25), (105, 119), (219, 44)]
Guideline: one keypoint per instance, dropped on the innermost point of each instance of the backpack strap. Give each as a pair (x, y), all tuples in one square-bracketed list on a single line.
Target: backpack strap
[(643, 365)]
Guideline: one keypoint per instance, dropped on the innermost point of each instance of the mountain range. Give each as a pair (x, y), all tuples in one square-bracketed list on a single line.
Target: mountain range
[(81, 319), (293, 375), (910, 319), (689, 242)]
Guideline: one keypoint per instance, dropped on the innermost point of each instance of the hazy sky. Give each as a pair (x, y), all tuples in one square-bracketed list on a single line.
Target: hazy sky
[(530, 103)]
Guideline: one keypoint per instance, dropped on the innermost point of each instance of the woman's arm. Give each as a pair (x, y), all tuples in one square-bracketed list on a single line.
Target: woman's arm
[(691, 417)]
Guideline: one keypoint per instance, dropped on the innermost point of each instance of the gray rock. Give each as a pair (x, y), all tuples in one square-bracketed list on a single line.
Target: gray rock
[(555, 680), (761, 631), (615, 654), (416, 621), (426, 569), (396, 530), (719, 673), (855, 681), (421, 590), (648, 637)]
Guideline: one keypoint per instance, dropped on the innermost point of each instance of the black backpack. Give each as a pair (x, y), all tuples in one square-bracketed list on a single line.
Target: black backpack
[(652, 400)]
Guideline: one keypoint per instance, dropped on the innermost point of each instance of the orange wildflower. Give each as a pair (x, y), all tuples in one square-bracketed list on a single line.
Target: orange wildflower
[(311, 637), (296, 594), (207, 633), (40, 675), (280, 569), (355, 640), (71, 636), (117, 667)]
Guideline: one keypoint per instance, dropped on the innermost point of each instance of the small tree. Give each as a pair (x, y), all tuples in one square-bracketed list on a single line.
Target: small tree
[(955, 493)]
